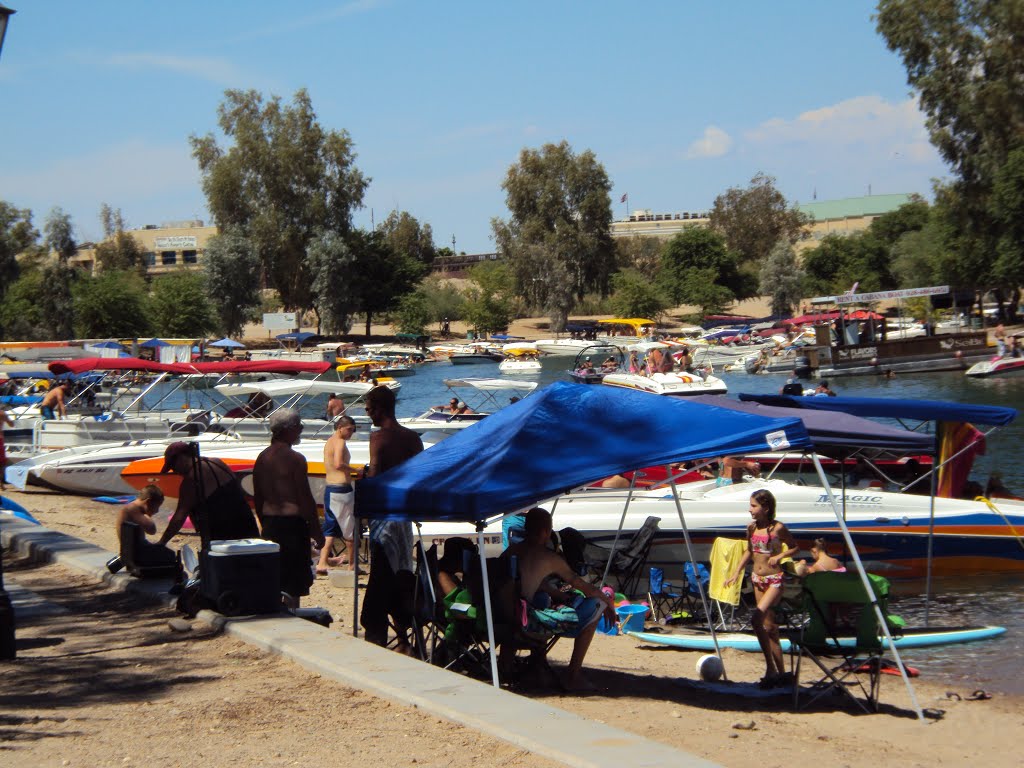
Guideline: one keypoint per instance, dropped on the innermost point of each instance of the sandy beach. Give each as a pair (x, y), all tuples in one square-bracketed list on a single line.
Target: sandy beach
[(652, 692)]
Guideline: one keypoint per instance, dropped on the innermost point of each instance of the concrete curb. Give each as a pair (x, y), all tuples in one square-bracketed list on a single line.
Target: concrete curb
[(527, 723)]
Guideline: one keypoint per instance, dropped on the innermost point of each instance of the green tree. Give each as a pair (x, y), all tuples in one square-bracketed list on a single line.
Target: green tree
[(640, 253), (21, 312), (379, 277), (330, 261), (963, 60), (699, 248), (405, 235), (782, 279), (753, 220), (58, 303), (413, 314), (283, 182), (232, 271), (635, 295), (180, 307), (16, 234), (488, 299), (1008, 211), (443, 299), (557, 239), (111, 305), (119, 250), (822, 265), (701, 291)]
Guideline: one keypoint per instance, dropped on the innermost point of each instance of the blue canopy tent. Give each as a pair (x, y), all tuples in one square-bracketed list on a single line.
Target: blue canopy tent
[(227, 343), (563, 437), (154, 344)]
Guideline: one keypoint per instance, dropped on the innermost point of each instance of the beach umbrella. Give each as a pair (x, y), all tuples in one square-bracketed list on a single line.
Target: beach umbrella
[(227, 343), (154, 343)]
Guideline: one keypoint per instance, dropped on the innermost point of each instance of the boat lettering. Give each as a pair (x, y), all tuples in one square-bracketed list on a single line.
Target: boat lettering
[(853, 499)]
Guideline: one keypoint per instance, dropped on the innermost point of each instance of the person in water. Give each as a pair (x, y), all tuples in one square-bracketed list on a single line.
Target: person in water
[(768, 543)]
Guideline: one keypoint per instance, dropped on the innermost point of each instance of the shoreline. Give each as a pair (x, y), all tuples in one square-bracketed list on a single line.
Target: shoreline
[(655, 693)]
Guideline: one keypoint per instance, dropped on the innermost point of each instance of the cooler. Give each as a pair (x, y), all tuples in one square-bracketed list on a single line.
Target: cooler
[(242, 576)]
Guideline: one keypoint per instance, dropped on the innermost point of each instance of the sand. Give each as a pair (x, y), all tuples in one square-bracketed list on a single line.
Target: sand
[(189, 684)]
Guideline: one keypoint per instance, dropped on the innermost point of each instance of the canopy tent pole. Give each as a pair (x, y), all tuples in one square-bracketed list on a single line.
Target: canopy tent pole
[(618, 531), (354, 557), (700, 587), (487, 605), (867, 585), (931, 540)]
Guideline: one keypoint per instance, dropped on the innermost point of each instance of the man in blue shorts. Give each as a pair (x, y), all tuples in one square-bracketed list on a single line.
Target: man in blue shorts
[(339, 496)]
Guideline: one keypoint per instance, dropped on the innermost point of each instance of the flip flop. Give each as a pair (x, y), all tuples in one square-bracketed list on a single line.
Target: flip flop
[(953, 696), (979, 695)]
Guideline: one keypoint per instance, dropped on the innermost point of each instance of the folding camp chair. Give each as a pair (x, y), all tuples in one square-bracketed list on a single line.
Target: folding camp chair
[(627, 563), (428, 608), (670, 602), (842, 627)]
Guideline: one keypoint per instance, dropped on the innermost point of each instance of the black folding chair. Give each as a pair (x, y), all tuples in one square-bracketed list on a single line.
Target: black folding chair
[(626, 564)]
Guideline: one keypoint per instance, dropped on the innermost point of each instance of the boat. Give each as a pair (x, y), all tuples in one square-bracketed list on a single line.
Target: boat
[(997, 366), (921, 637), (674, 383), (476, 353), (480, 394), (589, 367), (520, 359), (563, 347)]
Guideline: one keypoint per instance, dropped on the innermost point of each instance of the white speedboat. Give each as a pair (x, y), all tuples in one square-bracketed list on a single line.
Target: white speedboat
[(481, 395), (521, 359), (997, 366), (890, 529), (563, 347), (676, 383)]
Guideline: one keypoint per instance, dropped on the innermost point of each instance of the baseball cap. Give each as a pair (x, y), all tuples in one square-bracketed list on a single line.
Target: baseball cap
[(174, 450)]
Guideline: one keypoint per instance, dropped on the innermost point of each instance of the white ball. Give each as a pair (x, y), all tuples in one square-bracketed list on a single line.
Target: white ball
[(710, 668)]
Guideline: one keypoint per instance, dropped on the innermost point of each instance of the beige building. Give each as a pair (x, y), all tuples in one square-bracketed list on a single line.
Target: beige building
[(828, 217), (167, 247)]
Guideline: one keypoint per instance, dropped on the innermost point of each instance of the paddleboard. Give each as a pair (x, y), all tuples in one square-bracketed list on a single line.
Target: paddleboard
[(743, 641)]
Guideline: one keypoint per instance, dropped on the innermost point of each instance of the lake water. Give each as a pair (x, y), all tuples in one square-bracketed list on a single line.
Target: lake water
[(966, 600)]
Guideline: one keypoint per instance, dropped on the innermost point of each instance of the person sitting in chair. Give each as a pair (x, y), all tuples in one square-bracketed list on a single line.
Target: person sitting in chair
[(537, 563)]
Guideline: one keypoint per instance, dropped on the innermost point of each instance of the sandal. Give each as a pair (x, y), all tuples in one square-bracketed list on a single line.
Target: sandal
[(768, 682), (979, 695)]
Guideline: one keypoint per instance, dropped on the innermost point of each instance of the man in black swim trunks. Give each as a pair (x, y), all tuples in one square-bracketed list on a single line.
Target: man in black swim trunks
[(212, 497), (285, 505)]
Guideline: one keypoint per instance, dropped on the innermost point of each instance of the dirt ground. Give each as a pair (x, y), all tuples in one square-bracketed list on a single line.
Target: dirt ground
[(74, 699)]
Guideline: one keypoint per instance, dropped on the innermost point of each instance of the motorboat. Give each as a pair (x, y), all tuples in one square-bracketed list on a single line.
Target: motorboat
[(595, 362), (675, 383), (476, 353), (482, 398), (997, 366), (563, 347), (520, 359)]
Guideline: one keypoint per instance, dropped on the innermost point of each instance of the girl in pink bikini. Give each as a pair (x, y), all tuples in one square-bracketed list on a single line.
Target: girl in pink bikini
[(768, 542)]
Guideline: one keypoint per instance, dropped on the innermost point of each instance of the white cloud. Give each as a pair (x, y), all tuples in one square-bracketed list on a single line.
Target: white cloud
[(140, 178), (714, 143), (863, 120), (212, 68)]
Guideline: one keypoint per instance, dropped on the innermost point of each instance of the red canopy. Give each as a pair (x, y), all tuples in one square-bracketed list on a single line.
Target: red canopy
[(822, 317), (57, 367), (287, 367)]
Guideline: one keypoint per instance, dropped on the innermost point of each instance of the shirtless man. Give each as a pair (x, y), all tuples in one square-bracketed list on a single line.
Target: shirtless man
[(1000, 336), (284, 503), (339, 497), (537, 564), (390, 541), (335, 407), (52, 405)]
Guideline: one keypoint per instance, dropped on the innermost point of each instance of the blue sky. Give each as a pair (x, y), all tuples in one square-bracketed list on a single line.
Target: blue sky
[(678, 100)]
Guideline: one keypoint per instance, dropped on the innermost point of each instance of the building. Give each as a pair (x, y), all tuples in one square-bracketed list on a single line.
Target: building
[(828, 217), (167, 247)]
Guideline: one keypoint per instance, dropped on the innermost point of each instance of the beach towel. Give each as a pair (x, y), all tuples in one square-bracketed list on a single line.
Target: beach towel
[(725, 556)]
